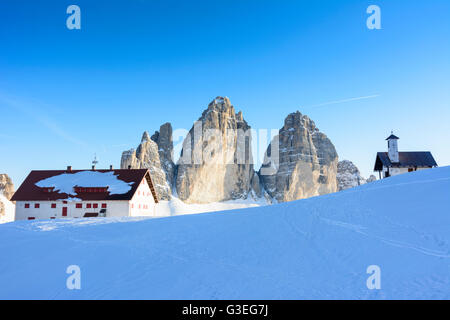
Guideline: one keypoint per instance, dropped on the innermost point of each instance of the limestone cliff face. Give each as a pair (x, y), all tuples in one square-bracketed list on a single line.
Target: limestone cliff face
[(163, 139), (348, 176), (147, 156), (300, 162), (216, 162), (6, 186)]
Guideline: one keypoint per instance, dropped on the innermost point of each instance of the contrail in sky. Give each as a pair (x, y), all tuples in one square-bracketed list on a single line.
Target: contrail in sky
[(343, 100), (33, 111)]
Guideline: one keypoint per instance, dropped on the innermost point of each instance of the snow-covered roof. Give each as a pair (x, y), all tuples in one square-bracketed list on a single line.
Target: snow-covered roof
[(66, 182), (41, 185)]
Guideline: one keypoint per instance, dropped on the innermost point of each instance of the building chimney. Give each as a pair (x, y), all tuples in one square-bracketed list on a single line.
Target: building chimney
[(129, 167), (111, 167), (69, 168)]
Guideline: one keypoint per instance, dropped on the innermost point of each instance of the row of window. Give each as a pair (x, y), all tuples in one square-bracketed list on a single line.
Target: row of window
[(143, 193), (144, 206), (78, 205), (90, 205), (90, 189)]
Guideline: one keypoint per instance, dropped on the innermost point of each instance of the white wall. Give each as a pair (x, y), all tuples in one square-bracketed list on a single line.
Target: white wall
[(142, 204), (397, 171), (45, 211)]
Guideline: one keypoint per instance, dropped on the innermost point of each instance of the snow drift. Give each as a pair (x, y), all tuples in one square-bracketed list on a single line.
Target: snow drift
[(319, 248)]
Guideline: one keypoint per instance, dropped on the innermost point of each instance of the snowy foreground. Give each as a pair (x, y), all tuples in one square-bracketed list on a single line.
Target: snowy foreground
[(318, 248), (176, 207)]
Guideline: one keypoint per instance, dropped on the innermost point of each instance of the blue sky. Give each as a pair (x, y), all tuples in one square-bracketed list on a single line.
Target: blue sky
[(67, 94)]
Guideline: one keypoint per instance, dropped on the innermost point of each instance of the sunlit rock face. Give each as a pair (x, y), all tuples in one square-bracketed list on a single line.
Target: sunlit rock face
[(216, 161), (147, 156), (300, 162), (6, 186)]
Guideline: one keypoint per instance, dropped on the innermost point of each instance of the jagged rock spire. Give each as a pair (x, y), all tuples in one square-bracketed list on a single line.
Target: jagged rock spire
[(145, 137)]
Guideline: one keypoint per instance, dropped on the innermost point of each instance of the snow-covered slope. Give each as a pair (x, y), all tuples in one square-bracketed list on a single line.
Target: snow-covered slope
[(315, 248), (175, 206)]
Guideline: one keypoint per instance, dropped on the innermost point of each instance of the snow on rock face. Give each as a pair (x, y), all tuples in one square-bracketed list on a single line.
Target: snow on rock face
[(65, 182), (319, 248), (348, 176)]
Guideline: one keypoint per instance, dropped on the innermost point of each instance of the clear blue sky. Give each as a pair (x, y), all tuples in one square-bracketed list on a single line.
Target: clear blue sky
[(67, 94)]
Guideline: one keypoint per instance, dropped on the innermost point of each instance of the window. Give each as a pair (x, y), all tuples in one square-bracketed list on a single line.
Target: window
[(65, 202), (95, 205), (103, 205), (36, 205), (91, 189), (79, 205), (31, 218), (53, 205), (88, 205), (27, 205)]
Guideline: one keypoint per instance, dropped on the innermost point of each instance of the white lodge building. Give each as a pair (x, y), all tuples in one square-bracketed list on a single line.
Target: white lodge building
[(54, 194), (392, 163)]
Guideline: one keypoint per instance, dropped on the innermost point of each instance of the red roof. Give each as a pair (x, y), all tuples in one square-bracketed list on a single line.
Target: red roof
[(28, 191)]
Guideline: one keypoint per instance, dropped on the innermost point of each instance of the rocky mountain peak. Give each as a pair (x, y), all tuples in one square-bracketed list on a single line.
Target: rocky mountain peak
[(298, 120), (220, 102), (150, 155), (216, 162), (222, 106), (349, 176), (145, 137), (300, 161), (164, 140)]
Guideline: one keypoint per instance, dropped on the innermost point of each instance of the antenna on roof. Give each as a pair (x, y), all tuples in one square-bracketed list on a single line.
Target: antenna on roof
[(94, 162)]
